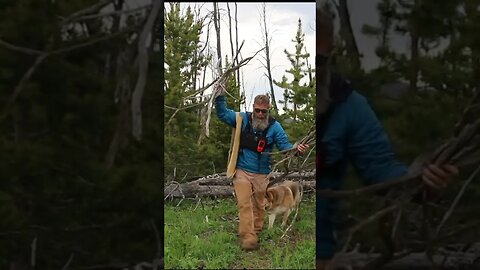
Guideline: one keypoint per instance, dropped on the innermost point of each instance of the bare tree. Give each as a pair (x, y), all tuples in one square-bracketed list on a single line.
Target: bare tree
[(230, 31), (346, 32), (216, 22), (267, 65), (236, 44), (414, 54), (122, 93), (144, 41)]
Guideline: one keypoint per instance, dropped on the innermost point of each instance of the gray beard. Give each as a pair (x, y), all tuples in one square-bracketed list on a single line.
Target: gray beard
[(259, 124)]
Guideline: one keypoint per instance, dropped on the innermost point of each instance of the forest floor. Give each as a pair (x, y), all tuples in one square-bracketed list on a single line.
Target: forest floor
[(204, 235)]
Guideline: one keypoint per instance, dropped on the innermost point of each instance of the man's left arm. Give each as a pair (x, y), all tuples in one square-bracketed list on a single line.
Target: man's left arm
[(283, 143), (280, 137), (372, 153)]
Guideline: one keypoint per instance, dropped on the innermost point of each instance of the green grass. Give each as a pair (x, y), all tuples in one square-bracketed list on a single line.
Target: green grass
[(205, 235)]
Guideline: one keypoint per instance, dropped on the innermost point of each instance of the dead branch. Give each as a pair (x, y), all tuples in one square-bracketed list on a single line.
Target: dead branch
[(67, 264), (41, 58), (365, 190), (92, 9), (218, 90), (33, 252), (23, 80), (112, 13), (177, 110), (20, 49), (366, 221), (224, 75), (457, 199), (91, 42)]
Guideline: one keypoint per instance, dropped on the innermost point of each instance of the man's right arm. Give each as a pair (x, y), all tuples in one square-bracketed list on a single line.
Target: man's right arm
[(224, 114)]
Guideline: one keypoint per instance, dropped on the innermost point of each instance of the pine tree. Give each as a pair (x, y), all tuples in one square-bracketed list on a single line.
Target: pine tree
[(299, 97)]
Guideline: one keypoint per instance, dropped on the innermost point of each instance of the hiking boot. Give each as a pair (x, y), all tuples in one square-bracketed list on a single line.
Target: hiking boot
[(249, 242)]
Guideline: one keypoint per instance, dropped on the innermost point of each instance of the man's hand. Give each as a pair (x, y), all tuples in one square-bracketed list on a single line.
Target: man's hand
[(439, 177), (302, 148)]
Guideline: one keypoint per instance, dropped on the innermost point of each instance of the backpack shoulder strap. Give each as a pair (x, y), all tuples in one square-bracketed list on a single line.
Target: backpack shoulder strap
[(248, 127)]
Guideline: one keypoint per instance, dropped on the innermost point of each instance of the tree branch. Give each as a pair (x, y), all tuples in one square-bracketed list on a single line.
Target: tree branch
[(142, 71)]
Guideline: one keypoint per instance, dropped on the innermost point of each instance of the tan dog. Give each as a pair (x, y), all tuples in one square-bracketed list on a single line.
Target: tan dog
[(282, 199)]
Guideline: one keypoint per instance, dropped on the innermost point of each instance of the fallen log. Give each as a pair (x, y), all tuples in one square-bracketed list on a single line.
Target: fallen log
[(220, 186)]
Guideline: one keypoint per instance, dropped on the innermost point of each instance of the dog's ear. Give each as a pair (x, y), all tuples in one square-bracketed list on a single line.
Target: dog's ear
[(269, 195), (273, 195)]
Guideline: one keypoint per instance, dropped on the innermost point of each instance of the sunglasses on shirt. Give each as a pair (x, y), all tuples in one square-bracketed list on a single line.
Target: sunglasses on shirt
[(264, 111)]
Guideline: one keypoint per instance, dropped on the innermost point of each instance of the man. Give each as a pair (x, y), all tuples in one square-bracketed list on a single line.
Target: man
[(349, 130), (259, 133)]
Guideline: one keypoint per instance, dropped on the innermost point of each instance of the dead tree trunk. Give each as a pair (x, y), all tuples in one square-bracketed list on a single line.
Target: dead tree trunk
[(143, 45), (216, 22), (230, 33), (346, 31), (414, 54), (236, 42), (122, 96), (267, 58)]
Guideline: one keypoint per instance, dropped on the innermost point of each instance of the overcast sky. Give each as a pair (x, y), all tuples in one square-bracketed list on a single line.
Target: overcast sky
[(282, 22)]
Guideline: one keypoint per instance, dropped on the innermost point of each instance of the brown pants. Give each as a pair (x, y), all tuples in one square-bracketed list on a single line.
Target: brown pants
[(250, 189)]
